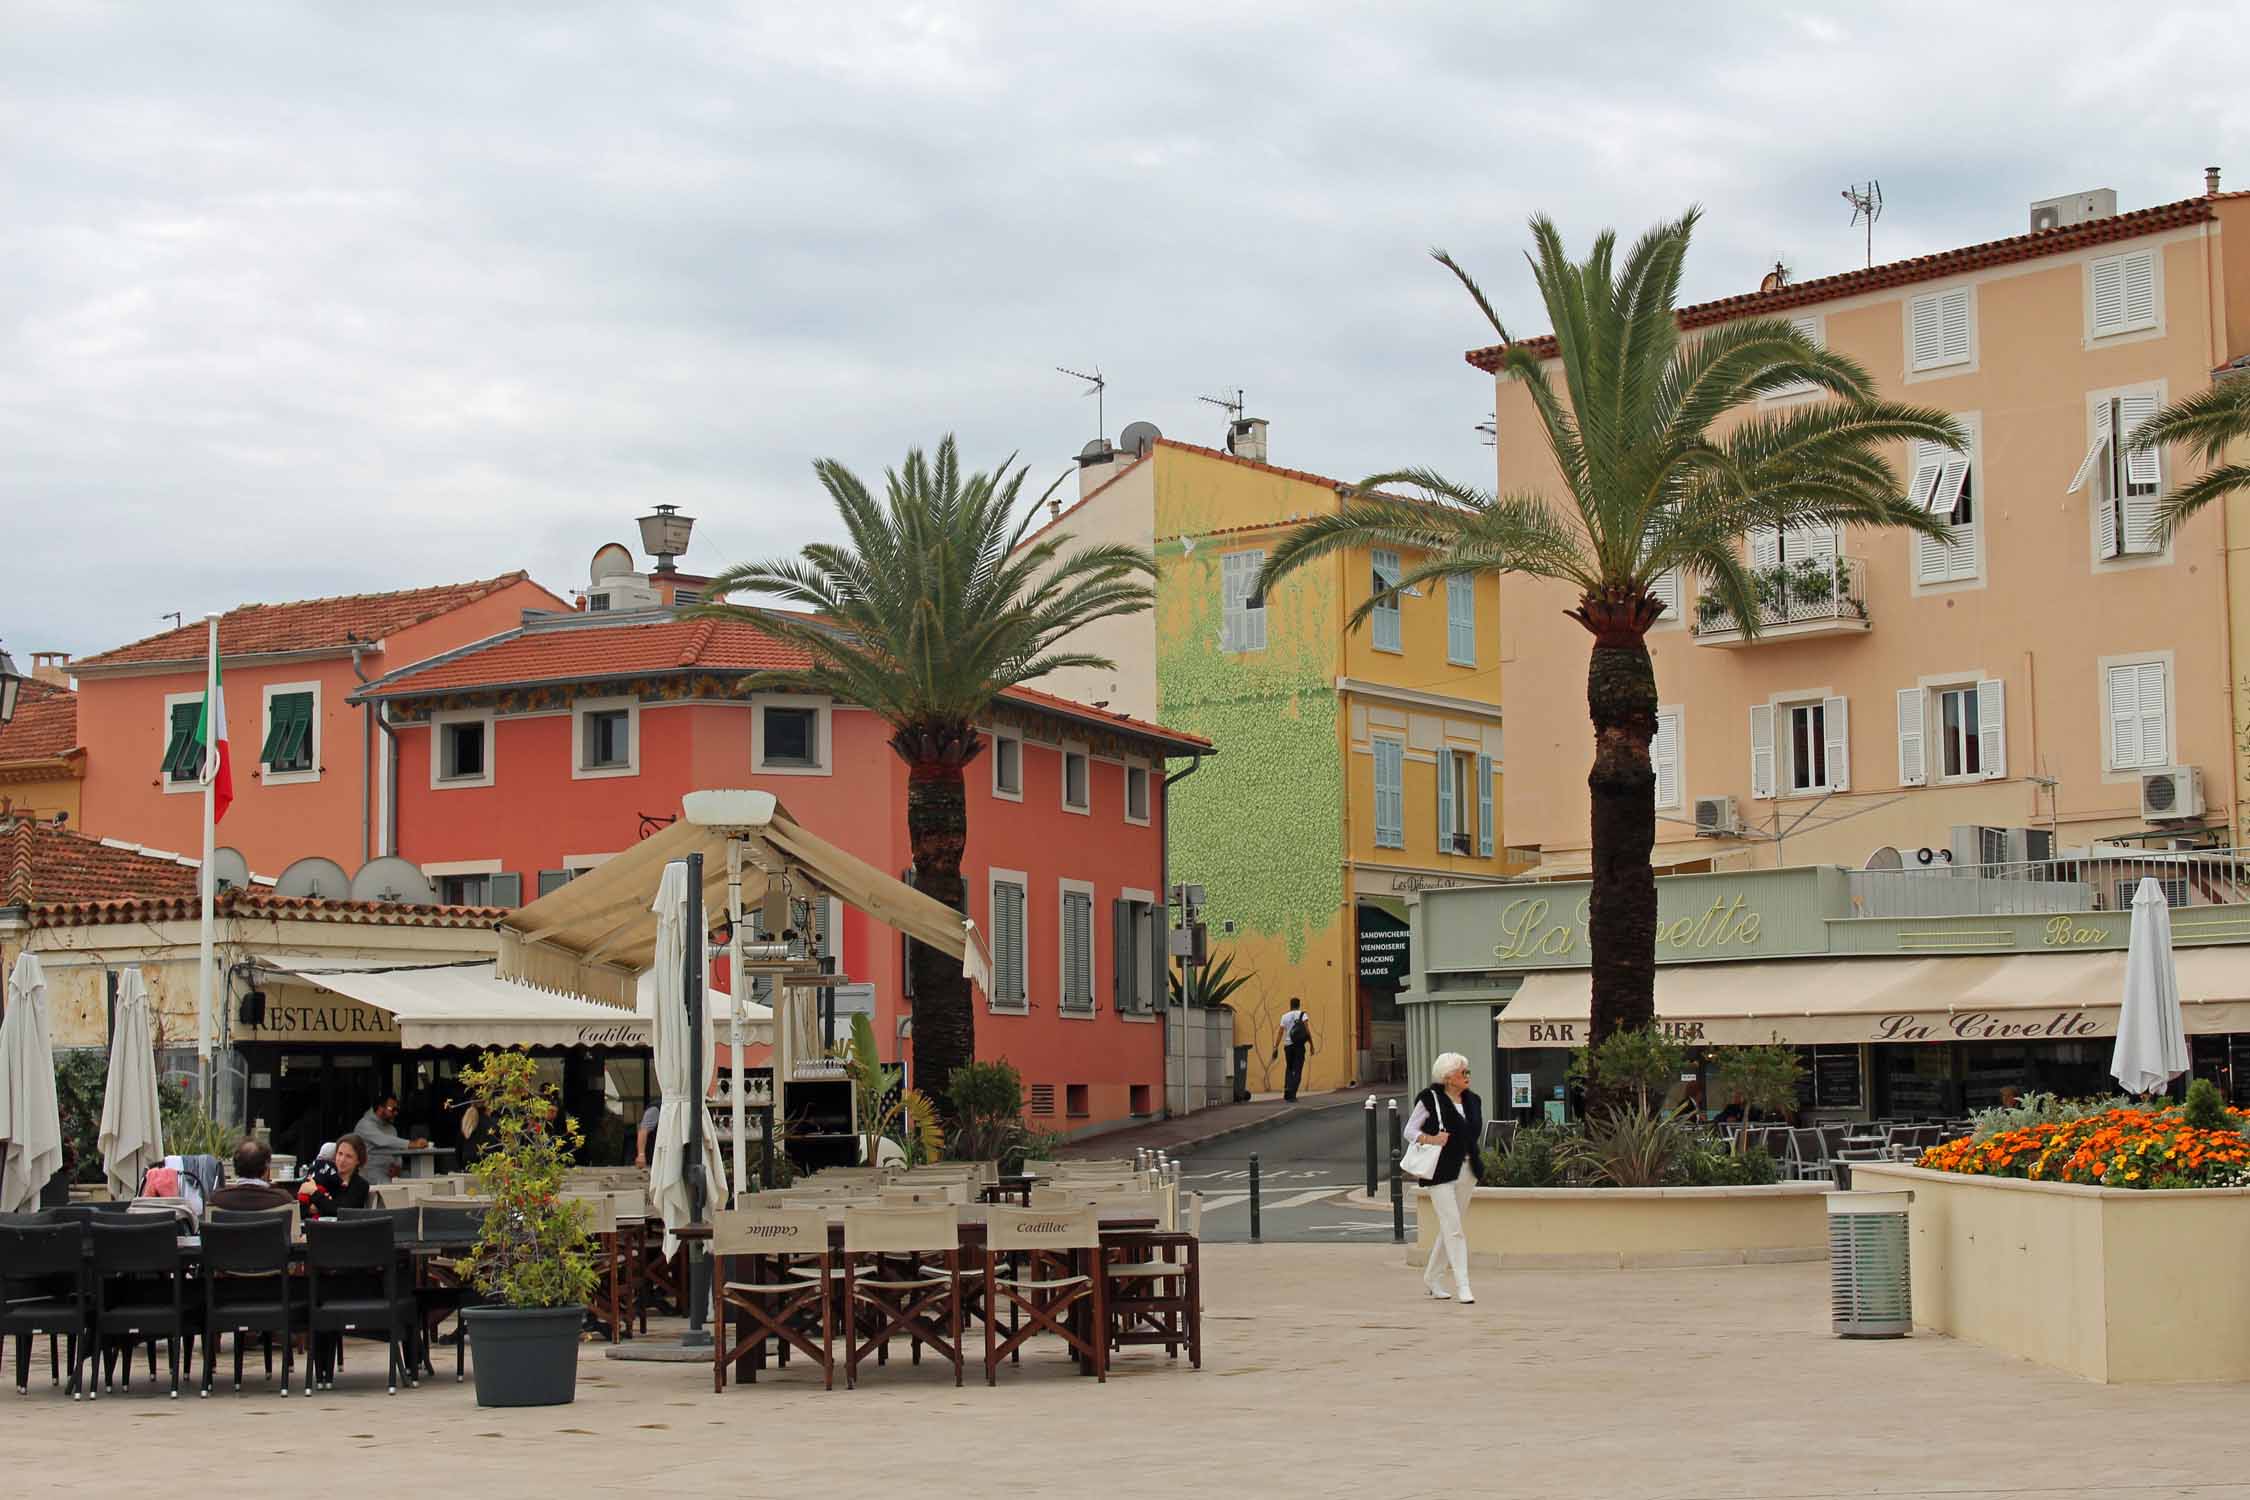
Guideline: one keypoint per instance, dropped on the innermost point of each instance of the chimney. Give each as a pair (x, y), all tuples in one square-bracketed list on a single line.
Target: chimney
[(1096, 462), (51, 666), (2211, 182), (1246, 438)]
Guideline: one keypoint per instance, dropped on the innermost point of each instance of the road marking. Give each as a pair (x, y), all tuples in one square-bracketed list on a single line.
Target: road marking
[(1299, 1200)]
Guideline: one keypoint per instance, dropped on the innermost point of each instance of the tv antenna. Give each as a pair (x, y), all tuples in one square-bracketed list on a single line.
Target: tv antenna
[(1867, 204), (175, 616), (1489, 429), (1095, 385), (1233, 408)]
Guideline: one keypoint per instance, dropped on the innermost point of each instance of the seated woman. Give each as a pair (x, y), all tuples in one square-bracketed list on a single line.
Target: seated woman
[(334, 1182)]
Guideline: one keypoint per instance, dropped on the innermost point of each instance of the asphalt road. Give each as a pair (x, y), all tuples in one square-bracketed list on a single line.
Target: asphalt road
[(1305, 1167)]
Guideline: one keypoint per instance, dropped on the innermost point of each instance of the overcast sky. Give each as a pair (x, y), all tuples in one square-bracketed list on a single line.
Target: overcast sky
[(304, 299)]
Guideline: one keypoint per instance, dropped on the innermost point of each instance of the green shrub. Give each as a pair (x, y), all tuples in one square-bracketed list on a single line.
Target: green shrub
[(1642, 1062), (987, 1103), (2206, 1110), (1707, 1166), (1763, 1080), (1527, 1161), (1635, 1147), (2036, 1108), (531, 1251)]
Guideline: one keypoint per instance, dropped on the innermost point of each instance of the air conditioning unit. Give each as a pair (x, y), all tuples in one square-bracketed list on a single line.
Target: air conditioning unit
[(2172, 793), (2073, 208), (1717, 818)]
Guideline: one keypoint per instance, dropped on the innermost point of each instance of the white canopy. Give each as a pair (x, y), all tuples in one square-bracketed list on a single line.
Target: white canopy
[(132, 1130), (2151, 1045), (668, 1189), (471, 1006), (30, 1120)]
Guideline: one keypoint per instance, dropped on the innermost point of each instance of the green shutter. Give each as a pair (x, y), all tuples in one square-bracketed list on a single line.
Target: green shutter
[(181, 755), (288, 745)]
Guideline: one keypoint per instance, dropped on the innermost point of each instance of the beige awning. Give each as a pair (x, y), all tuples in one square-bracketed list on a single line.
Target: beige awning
[(594, 936), (1803, 1002), (471, 1006), (1579, 866)]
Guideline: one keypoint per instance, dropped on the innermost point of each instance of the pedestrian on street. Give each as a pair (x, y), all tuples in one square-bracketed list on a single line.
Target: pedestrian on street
[(1450, 1116), (1295, 1041)]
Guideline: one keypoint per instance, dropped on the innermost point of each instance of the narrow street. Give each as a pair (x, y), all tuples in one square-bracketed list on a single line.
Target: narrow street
[(1306, 1166)]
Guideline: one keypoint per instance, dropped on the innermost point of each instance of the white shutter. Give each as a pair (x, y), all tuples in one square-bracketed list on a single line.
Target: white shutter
[(1836, 725), (1933, 559), (2094, 451), (1664, 757), (2138, 728), (1953, 318), (1761, 750), (1484, 807), (1816, 542), (2109, 296), (2155, 736), (1947, 496), (1669, 589), (2141, 469), (2139, 273), (1925, 339), (1765, 546), (1913, 759), (1992, 728), (1929, 474)]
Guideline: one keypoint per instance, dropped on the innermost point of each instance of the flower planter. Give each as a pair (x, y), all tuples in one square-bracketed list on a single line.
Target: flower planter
[(1635, 1228), (2119, 1285), (525, 1356)]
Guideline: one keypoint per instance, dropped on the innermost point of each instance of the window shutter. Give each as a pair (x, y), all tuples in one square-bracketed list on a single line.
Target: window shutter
[(1230, 607), (1836, 725), (1388, 636), (1445, 824), (1159, 960), (551, 881), (1664, 757), (506, 890), (2155, 737), (1953, 318), (2109, 296), (2141, 469), (1484, 807), (1992, 727), (2139, 274), (1669, 588), (2124, 717), (1933, 559), (1121, 950), (1913, 760), (1765, 546), (1761, 750), (1926, 341), (1461, 621), (2094, 450)]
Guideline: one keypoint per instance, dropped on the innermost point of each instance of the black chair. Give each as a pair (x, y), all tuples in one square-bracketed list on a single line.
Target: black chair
[(246, 1288), (437, 1300), (43, 1290), (352, 1276), (137, 1292)]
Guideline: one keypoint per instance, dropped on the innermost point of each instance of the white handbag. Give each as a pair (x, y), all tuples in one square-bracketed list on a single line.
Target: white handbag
[(1420, 1160)]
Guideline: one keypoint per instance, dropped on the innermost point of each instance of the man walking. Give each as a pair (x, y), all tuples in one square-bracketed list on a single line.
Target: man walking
[(1294, 1042)]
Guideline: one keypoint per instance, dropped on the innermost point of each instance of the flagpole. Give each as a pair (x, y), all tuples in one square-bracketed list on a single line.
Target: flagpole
[(208, 880)]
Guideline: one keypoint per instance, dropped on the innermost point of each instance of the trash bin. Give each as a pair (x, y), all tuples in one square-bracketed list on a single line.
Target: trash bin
[(1869, 1293), (1242, 1073)]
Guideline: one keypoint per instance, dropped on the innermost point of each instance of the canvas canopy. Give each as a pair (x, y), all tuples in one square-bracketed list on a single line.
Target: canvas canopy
[(471, 1006)]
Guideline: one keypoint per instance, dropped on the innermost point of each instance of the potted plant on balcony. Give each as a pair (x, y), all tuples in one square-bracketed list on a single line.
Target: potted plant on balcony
[(1812, 582), (530, 1259)]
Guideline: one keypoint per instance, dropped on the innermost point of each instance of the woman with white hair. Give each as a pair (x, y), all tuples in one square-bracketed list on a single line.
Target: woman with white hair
[(1449, 1116)]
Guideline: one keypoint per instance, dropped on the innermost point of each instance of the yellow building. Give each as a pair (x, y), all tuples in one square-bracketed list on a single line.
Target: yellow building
[(41, 762), (1354, 767)]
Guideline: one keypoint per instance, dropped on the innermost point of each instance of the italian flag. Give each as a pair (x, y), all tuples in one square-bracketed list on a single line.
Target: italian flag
[(211, 736)]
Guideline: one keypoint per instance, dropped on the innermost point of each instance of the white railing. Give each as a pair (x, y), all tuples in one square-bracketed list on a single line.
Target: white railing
[(2103, 878)]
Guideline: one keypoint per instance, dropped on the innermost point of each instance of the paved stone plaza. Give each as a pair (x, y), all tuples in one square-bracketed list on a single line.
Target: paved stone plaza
[(1680, 1383)]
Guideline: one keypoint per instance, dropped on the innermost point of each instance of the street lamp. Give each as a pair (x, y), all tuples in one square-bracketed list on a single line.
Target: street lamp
[(664, 535), (11, 683)]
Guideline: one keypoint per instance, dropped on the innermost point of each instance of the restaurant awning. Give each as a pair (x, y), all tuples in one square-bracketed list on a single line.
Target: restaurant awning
[(471, 1006), (2022, 997), (594, 936)]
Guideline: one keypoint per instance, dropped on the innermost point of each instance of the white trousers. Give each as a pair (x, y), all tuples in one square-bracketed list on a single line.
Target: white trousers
[(1449, 1201)]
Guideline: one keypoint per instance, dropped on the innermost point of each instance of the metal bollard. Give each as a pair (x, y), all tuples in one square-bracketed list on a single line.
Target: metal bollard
[(1372, 1159), (1253, 1197), (1398, 1202)]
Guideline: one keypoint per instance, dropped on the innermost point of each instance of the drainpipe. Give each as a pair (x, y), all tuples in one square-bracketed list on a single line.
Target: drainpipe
[(366, 760), (390, 778), (1164, 895)]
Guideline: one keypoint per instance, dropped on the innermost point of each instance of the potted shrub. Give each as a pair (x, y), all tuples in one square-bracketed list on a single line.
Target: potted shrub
[(530, 1260)]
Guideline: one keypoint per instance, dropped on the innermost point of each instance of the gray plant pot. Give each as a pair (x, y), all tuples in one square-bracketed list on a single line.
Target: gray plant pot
[(525, 1356)]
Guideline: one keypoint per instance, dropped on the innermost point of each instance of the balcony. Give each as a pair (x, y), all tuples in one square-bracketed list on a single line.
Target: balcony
[(1797, 599)]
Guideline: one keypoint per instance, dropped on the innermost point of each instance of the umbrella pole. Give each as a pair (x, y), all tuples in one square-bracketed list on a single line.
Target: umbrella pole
[(699, 1265), (734, 995)]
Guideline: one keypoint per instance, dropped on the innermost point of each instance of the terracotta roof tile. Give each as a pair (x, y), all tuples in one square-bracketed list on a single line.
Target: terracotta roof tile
[(45, 725), (40, 862), (263, 903), (305, 624), (1919, 268)]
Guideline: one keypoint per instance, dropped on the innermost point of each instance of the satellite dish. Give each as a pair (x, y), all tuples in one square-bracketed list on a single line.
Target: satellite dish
[(611, 560), (1886, 858), (1097, 451), (1138, 438), (393, 882), (229, 870), (322, 879)]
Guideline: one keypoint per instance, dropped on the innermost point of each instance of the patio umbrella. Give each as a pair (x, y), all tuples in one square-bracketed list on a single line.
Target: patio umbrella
[(30, 1120), (2151, 1041), (132, 1134), (679, 1091)]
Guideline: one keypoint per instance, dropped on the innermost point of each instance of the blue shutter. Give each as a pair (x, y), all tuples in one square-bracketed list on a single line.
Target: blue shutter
[(1390, 796), (1461, 621), (1386, 575), (1484, 806), (1445, 823)]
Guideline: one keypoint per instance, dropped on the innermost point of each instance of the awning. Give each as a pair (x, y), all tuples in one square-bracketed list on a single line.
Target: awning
[(1803, 1002), (593, 937), (471, 1006), (1579, 866)]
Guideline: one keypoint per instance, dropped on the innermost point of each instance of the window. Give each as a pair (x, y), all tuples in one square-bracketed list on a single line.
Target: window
[(1669, 589), (464, 750), (1774, 546), (1461, 621), (183, 756), (2126, 484), (1136, 794), (1961, 727), (1137, 958), (1388, 636), (1944, 483), (1074, 771), (792, 737), (1010, 961), (2139, 696), (1242, 609), (551, 881), (1390, 794), (1812, 330), (493, 889), (1958, 742), (607, 741), (1664, 757), (290, 745), (1007, 765), (2175, 888), (1075, 1105), (1800, 747), (1938, 330), (1464, 815), (1077, 948), (2121, 292)]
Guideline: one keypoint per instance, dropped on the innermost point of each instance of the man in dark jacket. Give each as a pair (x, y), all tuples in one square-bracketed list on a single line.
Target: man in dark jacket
[(250, 1191)]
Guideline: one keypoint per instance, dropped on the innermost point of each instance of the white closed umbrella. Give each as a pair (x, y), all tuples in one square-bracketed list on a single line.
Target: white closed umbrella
[(2152, 1045), (30, 1120), (679, 1091), (132, 1135)]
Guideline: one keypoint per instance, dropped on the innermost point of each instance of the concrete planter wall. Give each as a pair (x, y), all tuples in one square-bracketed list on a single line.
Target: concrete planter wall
[(2109, 1283), (1633, 1228)]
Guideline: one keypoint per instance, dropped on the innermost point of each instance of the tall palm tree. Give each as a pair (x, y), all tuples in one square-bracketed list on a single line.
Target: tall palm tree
[(1648, 486), (2211, 421), (932, 609)]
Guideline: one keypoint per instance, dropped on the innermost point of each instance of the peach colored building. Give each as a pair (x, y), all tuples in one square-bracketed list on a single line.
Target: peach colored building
[(2054, 671), (307, 762), (41, 760)]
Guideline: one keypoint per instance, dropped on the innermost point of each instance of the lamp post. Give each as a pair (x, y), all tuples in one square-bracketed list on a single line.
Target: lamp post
[(664, 535), (11, 683)]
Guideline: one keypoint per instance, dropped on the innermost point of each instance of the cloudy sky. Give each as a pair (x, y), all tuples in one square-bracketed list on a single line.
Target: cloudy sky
[(318, 298)]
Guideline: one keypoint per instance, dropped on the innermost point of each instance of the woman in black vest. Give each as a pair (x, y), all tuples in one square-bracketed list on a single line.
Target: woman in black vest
[(1449, 1116)]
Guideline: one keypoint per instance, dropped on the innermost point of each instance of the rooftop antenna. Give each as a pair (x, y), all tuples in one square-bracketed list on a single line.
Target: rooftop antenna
[(1490, 429), (176, 616), (1867, 204), (1233, 408), (1095, 385)]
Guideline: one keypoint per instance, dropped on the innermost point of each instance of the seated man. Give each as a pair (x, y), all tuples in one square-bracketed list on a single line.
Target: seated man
[(384, 1142), (250, 1191)]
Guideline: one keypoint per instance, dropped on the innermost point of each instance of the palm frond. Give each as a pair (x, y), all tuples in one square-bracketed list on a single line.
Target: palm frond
[(2212, 484), (2209, 422)]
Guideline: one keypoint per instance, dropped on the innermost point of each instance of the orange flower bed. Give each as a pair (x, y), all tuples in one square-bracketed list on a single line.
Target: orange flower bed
[(2123, 1148)]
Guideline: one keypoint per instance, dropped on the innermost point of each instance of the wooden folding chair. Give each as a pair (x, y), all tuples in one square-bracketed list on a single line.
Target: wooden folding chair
[(1044, 1265), (789, 1276), (887, 1278), (1153, 1288)]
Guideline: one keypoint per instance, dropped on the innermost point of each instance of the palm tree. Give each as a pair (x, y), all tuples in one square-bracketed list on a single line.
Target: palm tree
[(2210, 421), (1648, 487), (934, 607)]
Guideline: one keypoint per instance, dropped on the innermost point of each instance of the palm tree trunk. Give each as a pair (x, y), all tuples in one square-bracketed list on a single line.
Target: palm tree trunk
[(1621, 919), (937, 830)]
